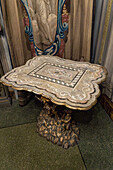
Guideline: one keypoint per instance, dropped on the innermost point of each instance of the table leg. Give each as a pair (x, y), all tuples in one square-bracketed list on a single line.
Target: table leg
[(55, 124)]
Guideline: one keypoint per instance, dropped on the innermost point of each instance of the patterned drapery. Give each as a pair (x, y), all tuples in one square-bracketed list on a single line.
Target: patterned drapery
[(44, 21), (77, 42), (44, 18)]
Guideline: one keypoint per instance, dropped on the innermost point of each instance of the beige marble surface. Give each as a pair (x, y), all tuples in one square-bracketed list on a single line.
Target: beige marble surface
[(65, 82)]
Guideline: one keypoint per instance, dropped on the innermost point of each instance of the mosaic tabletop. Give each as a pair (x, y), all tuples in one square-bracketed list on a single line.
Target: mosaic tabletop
[(65, 82)]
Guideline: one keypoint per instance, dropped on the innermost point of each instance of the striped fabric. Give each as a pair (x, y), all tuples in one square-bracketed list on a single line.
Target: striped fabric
[(103, 42)]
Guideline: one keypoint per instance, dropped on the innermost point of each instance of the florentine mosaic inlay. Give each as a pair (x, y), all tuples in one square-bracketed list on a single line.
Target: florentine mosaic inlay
[(65, 82), (60, 74)]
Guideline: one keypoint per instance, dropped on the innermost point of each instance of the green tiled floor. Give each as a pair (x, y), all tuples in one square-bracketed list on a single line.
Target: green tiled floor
[(96, 141), (21, 148), (17, 115), (96, 138)]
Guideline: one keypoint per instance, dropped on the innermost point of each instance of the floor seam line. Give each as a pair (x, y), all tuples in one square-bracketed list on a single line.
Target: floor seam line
[(17, 125), (82, 156)]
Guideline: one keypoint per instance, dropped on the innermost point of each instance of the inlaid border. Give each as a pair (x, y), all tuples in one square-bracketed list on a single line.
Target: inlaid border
[(72, 84), (55, 99)]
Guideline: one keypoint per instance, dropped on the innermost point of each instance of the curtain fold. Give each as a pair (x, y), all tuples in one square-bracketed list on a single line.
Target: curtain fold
[(103, 43), (108, 63), (80, 28), (14, 28), (97, 21), (17, 40), (78, 42), (5, 56)]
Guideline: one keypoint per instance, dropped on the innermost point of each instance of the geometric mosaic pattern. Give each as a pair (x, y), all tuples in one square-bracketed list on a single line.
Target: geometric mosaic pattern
[(59, 71)]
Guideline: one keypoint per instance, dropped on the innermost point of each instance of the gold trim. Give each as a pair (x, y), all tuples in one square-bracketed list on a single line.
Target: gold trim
[(58, 103), (4, 101), (105, 31), (64, 12)]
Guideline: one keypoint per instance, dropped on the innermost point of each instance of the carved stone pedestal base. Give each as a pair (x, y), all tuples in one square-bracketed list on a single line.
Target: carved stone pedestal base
[(55, 124)]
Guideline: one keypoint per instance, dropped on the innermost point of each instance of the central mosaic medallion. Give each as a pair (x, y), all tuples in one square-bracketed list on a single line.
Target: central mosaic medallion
[(60, 74)]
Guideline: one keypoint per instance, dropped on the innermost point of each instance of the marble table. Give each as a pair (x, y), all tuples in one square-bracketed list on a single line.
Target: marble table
[(62, 85)]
